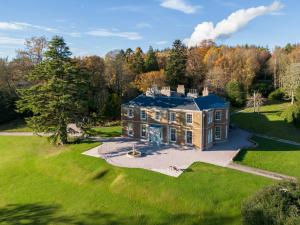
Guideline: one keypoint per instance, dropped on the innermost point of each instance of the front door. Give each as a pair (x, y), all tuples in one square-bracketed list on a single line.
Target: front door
[(155, 135)]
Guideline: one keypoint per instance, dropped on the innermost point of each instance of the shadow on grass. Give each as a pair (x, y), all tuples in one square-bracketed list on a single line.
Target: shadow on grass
[(40, 214), (100, 174), (266, 145)]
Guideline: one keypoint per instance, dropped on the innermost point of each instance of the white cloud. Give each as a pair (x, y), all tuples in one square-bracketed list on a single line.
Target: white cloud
[(143, 25), (230, 25), (23, 26), (11, 41), (180, 5), (108, 33)]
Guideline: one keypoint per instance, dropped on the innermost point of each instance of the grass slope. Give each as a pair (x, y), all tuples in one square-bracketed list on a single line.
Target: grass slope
[(268, 122), (113, 131), (273, 156), (42, 184)]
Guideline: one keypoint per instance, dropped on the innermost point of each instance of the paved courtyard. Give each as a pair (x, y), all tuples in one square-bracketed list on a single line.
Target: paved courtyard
[(163, 159)]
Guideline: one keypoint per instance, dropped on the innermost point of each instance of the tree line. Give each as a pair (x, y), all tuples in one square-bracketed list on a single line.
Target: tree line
[(233, 72)]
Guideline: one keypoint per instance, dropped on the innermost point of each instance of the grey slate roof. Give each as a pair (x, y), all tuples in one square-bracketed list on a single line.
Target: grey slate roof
[(185, 103)]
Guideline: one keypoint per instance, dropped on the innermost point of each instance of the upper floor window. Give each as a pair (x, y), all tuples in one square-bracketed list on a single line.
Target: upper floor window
[(218, 115), (172, 116), (217, 132), (143, 114), (189, 118), (130, 113), (157, 115), (210, 117), (189, 137)]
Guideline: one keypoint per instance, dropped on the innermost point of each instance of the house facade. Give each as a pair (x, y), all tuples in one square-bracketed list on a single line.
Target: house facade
[(168, 117)]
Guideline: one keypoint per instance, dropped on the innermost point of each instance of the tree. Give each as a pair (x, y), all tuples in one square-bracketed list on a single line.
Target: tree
[(292, 80), (94, 68), (235, 93), (58, 95), (277, 204), (255, 101), (151, 63), (137, 62), (176, 66), (146, 80)]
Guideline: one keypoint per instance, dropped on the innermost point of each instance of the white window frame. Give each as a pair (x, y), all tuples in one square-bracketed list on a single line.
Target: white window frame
[(128, 130), (143, 118), (141, 130), (220, 114), (170, 117), (209, 136), (210, 117), (186, 118), (157, 119), (170, 137), (216, 137), (186, 137), (128, 114)]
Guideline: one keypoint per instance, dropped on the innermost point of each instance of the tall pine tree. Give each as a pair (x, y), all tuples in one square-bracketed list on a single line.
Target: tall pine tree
[(176, 66), (137, 63), (59, 94), (151, 63)]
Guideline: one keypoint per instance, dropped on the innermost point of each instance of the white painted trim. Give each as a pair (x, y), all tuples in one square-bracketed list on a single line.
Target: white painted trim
[(146, 118), (175, 135), (185, 137), (130, 135), (219, 111), (186, 115), (128, 109), (143, 124), (220, 138)]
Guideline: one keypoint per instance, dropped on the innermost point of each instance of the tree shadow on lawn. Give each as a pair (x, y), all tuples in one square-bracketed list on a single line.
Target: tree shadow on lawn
[(41, 214), (266, 145), (260, 123)]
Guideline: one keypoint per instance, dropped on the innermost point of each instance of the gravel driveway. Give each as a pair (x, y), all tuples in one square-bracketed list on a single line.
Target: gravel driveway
[(161, 159)]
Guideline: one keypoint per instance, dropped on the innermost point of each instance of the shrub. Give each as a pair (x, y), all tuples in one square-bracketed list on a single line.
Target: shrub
[(278, 94), (278, 204), (263, 87), (292, 114), (236, 93)]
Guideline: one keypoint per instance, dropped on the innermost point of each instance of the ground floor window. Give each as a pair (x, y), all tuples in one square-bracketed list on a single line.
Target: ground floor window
[(209, 136), (172, 134), (217, 132), (143, 130), (189, 137), (130, 129)]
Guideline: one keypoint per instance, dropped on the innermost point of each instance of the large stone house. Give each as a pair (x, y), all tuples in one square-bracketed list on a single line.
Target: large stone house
[(169, 117)]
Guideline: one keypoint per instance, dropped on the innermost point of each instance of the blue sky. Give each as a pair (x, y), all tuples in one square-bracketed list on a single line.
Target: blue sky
[(98, 26)]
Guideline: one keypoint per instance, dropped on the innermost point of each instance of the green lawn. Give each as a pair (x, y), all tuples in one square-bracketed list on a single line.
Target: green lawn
[(268, 122), (17, 125), (113, 131), (43, 184), (273, 156)]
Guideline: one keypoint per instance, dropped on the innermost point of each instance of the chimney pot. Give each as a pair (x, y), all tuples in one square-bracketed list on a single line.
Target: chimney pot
[(181, 89)]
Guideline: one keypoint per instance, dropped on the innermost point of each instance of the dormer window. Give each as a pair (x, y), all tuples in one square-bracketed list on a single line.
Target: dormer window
[(189, 118), (143, 114), (130, 113)]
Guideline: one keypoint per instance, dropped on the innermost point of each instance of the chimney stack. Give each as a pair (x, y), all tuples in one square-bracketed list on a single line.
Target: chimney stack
[(180, 90), (193, 93), (205, 91), (166, 91)]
